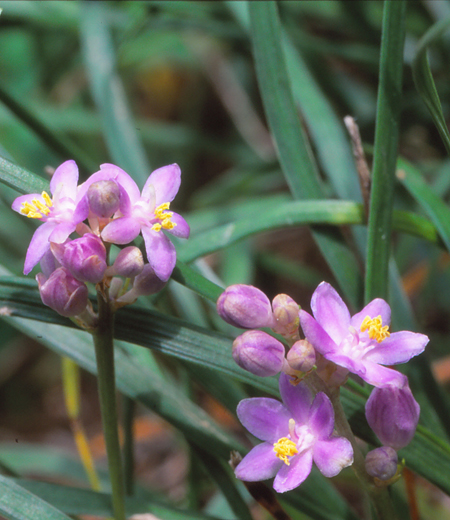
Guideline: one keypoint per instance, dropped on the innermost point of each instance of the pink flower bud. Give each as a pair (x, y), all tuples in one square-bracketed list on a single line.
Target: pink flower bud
[(301, 356), (103, 198), (393, 414), (85, 257), (285, 313), (382, 463), (245, 306), (129, 263), (63, 293), (258, 353)]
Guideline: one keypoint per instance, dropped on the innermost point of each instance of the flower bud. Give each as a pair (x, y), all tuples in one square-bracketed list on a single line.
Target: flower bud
[(258, 353), (145, 283), (393, 414), (62, 292), (301, 356), (103, 198), (285, 313), (129, 263), (48, 263), (245, 306), (85, 257), (382, 463)]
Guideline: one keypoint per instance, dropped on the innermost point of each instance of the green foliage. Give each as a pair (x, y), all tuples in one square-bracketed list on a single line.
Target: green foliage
[(278, 206)]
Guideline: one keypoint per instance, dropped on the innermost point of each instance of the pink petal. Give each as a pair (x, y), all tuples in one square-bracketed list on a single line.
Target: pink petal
[(330, 311), (181, 229), (377, 307), (61, 232), (38, 246), (297, 398), (265, 418), (399, 347), (332, 455), (166, 181), (316, 335), (161, 253), (17, 204), (260, 463), (321, 416), (290, 477), (81, 211), (121, 230), (121, 176), (65, 179), (378, 375)]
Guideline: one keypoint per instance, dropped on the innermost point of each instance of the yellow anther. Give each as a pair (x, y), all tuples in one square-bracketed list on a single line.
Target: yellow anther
[(285, 448), (375, 328), (164, 216), (156, 227), (37, 208), (47, 199)]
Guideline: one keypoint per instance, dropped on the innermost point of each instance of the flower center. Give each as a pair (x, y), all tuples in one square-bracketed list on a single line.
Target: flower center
[(37, 208), (375, 329), (164, 216), (285, 448)]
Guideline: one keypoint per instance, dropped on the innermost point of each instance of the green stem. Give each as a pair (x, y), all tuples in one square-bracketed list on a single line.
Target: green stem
[(379, 496), (104, 352), (128, 445)]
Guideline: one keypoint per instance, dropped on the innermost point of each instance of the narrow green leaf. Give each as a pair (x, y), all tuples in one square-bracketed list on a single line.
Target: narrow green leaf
[(385, 152), (108, 92), (424, 82), (59, 144), (19, 504), (296, 213), (76, 501), (432, 204), (293, 148), (20, 179)]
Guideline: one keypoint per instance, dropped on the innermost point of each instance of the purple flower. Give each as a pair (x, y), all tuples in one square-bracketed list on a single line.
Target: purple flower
[(393, 414), (259, 353), (85, 257), (245, 306), (361, 343), (147, 213), (62, 292), (382, 463), (60, 213), (295, 433)]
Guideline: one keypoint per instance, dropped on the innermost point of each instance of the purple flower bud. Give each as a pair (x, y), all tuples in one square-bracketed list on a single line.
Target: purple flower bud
[(85, 257), (393, 414), (245, 306), (103, 198), (145, 283), (285, 313), (258, 353), (129, 263), (382, 463), (63, 293), (301, 356)]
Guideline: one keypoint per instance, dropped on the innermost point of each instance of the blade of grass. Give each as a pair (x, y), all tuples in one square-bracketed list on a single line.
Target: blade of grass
[(108, 92), (385, 151), (424, 82)]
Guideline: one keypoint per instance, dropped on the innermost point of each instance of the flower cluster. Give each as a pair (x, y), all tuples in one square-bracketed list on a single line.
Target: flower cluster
[(301, 430), (106, 209)]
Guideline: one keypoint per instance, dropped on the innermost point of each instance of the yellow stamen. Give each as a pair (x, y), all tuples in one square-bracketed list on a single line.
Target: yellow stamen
[(164, 216), (375, 328), (285, 448), (36, 208), (156, 227)]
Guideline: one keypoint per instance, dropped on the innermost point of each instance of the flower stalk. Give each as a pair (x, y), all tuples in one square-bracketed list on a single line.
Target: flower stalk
[(104, 351)]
